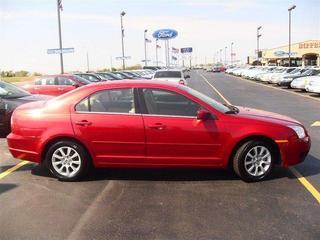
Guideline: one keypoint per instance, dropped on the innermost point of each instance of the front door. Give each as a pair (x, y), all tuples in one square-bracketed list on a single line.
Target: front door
[(174, 136), (108, 122)]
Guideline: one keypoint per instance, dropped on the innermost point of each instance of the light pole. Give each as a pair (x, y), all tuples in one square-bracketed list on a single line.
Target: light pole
[(59, 7), (88, 68), (220, 55), (225, 55), (289, 10), (122, 38), (231, 54), (145, 47), (258, 37), (157, 46)]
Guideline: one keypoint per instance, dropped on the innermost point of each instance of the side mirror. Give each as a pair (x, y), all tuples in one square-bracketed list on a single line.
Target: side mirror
[(203, 115), (76, 85), (187, 76)]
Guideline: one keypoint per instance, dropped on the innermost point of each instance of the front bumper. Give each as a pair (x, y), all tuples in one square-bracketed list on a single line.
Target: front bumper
[(313, 89), (294, 151)]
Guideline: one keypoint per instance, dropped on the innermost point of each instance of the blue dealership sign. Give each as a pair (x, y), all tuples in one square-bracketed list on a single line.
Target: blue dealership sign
[(281, 53), (165, 34), (186, 50)]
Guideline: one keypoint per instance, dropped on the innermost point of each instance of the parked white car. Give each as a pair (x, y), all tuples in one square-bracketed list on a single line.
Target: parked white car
[(275, 78), (171, 75), (302, 82), (314, 85)]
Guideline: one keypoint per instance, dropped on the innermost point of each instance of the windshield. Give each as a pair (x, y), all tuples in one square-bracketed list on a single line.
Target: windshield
[(8, 90), (109, 76), (90, 77), (219, 106), (168, 74), (81, 80), (295, 71)]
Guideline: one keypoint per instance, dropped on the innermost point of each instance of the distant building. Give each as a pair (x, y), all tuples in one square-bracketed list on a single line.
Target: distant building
[(305, 53)]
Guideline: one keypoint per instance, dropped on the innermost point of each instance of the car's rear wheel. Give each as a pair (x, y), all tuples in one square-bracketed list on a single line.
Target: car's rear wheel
[(254, 161), (67, 160)]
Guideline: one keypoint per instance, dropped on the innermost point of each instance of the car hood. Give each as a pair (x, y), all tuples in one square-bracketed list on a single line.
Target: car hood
[(265, 115), (33, 98)]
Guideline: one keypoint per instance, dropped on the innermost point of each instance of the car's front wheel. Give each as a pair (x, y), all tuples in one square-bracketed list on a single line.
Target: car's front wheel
[(254, 160), (67, 160)]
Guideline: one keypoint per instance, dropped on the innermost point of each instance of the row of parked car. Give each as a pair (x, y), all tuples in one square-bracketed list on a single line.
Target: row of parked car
[(303, 78), (48, 86), (58, 84)]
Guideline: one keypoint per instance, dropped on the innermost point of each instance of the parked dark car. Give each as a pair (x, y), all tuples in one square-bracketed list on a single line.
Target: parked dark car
[(106, 76), (286, 81), (92, 77), (11, 97)]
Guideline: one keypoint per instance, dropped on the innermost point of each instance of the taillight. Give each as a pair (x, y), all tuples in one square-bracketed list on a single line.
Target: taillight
[(181, 82)]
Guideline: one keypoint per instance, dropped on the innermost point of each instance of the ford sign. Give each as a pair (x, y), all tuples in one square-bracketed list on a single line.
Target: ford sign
[(165, 34), (280, 53)]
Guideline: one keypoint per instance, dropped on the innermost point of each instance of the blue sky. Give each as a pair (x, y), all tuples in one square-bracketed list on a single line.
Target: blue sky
[(29, 27)]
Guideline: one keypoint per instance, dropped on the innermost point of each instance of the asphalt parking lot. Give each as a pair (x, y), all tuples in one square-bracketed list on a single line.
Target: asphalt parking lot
[(171, 204)]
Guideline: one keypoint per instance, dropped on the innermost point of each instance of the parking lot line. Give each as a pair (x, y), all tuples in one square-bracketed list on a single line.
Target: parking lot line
[(12, 169), (306, 184), (315, 193), (315, 124), (216, 90)]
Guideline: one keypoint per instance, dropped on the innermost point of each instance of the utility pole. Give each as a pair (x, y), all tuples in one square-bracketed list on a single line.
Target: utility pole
[(289, 10), (59, 7), (122, 39)]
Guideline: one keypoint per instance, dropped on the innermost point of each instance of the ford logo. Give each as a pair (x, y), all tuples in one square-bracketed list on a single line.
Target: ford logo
[(280, 53), (165, 34)]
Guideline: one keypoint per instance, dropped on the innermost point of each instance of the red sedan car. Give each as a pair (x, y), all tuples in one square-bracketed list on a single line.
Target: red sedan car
[(55, 85), (152, 124)]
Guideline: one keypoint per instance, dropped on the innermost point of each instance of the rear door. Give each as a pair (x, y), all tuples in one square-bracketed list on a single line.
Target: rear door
[(174, 136), (108, 122)]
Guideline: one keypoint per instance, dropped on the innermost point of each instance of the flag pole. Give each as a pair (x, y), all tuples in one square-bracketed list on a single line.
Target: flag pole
[(60, 38)]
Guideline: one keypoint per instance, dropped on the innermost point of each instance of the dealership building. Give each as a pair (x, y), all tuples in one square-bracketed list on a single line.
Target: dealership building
[(305, 53)]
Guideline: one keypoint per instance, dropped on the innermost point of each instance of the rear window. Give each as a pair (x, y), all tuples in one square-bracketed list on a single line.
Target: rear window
[(168, 74)]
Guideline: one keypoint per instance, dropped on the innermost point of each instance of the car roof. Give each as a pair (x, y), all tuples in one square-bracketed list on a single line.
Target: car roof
[(133, 83), (169, 70)]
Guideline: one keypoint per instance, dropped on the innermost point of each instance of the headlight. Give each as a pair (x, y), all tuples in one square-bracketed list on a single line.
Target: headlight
[(299, 131)]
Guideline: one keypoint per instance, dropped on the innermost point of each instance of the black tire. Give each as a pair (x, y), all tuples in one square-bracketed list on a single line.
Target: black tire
[(239, 160), (83, 158)]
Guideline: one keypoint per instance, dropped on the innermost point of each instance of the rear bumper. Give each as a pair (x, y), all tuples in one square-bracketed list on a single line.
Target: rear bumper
[(23, 148), (294, 151)]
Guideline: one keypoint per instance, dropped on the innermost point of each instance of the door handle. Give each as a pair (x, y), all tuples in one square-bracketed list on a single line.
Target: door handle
[(83, 123), (60, 88), (158, 126)]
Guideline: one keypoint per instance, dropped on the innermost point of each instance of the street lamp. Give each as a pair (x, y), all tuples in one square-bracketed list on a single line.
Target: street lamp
[(122, 37), (231, 54), (220, 55), (145, 47), (289, 10), (225, 55), (258, 36)]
